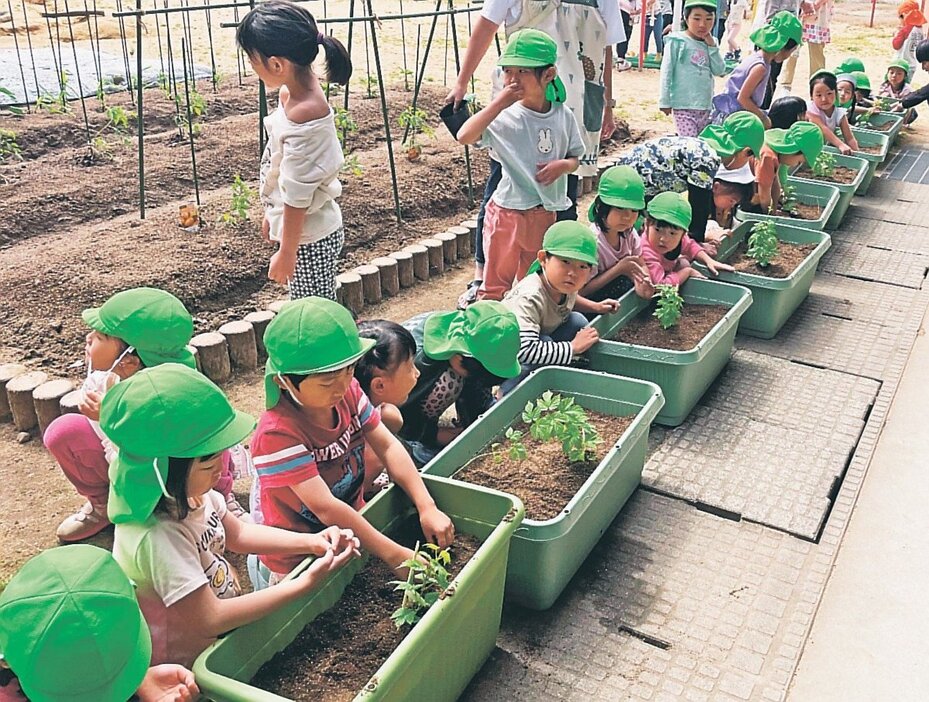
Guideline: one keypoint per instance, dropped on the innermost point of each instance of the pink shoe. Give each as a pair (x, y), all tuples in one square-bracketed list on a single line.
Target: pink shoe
[(83, 524)]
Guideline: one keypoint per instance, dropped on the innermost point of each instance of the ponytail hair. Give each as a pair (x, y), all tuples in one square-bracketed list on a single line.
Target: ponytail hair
[(287, 30)]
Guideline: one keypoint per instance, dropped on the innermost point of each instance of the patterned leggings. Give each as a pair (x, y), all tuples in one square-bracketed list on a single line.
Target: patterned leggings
[(316, 267), (689, 123)]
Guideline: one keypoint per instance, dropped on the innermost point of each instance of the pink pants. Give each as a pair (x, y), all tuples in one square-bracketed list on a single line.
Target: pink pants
[(689, 123), (73, 442), (512, 241)]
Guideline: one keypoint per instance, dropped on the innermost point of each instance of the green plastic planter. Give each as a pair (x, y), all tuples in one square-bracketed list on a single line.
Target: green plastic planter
[(773, 299), (866, 138), (846, 190), (882, 118), (683, 376), (544, 555), (808, 192), (455, 636)]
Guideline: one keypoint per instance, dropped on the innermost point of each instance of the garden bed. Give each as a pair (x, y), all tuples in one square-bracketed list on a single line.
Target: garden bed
[(810, 197), (800, 211), (788, 257), (873, 147), (847, 190), (841, 175), (695, 323)]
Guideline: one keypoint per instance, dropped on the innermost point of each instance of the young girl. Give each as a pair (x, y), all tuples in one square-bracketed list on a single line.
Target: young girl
[(822, 112), (845, 96), (301, 162), (666, 248), (739, 10), (309, 446), (896, 86), (613, 214), (786, 110), (691, 59), (783, 149), (172, 528), (816, 19), (918, 96), (462, 356), (910, 34), (862, 90), (745, 88)]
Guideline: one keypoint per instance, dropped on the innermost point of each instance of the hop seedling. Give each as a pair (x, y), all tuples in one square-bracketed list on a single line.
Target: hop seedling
[(425, 582), (669, 306), (557, 418), (415, 122), (9, 147), (242, 196), (762, 243), (344, 124), (789, 200), (824, 165)]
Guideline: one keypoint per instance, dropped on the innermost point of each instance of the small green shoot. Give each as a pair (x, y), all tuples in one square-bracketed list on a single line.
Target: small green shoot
[(344, 124), (428, 578), (9, 147), (370, 84), (789, 200), (416, 121), (669, 305), (762, 243), (242, 197), (352, 166), (12, 109), (824, 165), (514, 447)]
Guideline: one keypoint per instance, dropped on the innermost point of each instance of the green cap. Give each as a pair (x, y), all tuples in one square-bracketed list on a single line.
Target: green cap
[(746, 130), (822, 72), (620, 186), (309, 336), (169, 410), (903, 65), (533, 48), (671, 208), (780, 29), (71, 629), (154, 322), (720, 140), (802, 137), (571, 240), (709, 4), (850, 65), (862, 82), (486, 331)]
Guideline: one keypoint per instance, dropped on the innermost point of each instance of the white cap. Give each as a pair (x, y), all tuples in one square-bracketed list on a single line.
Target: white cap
[(738, 175)]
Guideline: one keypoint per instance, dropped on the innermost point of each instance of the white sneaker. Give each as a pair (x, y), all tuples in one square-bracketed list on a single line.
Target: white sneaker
[(83, 524), (622, 65)]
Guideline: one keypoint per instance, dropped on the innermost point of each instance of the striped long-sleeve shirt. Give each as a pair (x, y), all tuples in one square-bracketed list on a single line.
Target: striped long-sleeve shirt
[(539, 315)]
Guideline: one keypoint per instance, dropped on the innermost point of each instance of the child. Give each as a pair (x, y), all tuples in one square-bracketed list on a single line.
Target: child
[(134, 329), (731, 189), (462, 356), (78, 595), (171, 425), (816, 33), (746, 86), (690, 61), (850, 65), (667, 250), (783, 149), (918, 96), (613, 214), (309, 446), (537, 141), (552, 330), (301, 162), (910, 34), (862, 90), (845, 96), (786, 110), (739, 10), (655, 13), (822, 112), (896, 86)]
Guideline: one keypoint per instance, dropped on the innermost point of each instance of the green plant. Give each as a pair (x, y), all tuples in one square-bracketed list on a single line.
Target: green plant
[(552, 418), (405, 75), (164, 83), (515, 448), (344, 124), (824, 165), (330, 88), (416, 121), (762, 243), (425, 582), (197, 106), (669, 305), (118, 118), (370, 83), (242, 196), (12, 109), (352, 166), (9, 147), (788, 200), (55, 104)]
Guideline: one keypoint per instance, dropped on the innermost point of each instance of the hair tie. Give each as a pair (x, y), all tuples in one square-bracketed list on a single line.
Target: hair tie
[(320, 38)]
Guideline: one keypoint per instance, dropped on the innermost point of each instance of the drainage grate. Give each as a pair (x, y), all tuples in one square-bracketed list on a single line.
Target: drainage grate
[(910, 165)]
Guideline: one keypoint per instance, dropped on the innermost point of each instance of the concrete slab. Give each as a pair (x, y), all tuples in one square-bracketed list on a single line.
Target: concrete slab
[(911, 213), (876, 264), (863, 301), (883, 235), (909, 164), (886, 189)]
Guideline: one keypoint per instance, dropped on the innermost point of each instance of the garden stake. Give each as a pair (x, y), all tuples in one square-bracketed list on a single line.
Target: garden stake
[(367, 60), (422, 70), (351, 27), (62, 79), (35, 75), (380, 85), (51, 40), (172, 77), (97, 55), (209, 34), (22, 73), (77, 71), (161, 57), (125, 47), (406, 72), (190, 123), (185, 25), (239, 59), (96, 52), (445, 58), (140, 124), (467, 150)]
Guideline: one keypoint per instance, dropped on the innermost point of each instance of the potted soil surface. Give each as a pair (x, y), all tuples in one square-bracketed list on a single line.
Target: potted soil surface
[(569, 502), (889, 123), (873, 148), (683, 362), (778, 288), (847, 176), (813, 206), (454, 636)]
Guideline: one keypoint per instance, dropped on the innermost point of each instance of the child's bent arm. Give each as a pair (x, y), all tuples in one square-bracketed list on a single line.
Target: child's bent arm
[(472, 130), (752, 81), (284, 262), (828, 134), (848, 134), (535, 352), (717, 62), (258, 538), (481, 37)]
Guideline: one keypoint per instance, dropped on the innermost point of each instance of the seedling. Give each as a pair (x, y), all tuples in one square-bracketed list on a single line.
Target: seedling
[(344, 124), (415, 121), (12, 109), (515, 448), (55, 104), (788, 200), (427, 579), (197, 111), (762, 243), (824, 165), (242, 196), (370, 84), (405, 74), (9, 147), (352, 166), (118, 118), (669, 305)]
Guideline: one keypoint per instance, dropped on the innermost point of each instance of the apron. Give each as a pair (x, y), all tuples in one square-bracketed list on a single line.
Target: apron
[(580, 33)]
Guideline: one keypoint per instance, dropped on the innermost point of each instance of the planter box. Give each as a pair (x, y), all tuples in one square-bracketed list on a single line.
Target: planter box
[(773, 299), (846, 191), (461, 628), (544, 555), (683, 376), (810, 193), (882, 118), (866, 138)]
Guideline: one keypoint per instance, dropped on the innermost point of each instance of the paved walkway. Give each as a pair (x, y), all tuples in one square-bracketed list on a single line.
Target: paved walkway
[(709, 583)]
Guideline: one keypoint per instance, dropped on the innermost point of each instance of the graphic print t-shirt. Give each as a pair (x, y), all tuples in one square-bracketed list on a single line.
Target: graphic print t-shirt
[(288, 449)]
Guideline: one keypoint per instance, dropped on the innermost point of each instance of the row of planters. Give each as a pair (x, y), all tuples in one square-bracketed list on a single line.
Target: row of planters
[(570, 443)]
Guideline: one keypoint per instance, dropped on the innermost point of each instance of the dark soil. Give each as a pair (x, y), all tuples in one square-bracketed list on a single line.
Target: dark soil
[(801, 211), (789, 256), (841, 175), (333, 658), (885, 127), (873, 150), (545, 481), (695, 323)]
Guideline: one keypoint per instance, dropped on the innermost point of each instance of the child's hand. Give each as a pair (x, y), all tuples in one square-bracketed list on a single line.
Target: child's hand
[(436, 526), (282, 267), (266, 229), (644, 288), (633, 267), (446, 435), (710, 246), (336, 540), (715, 267), (608, 306), (548, 173), (689, 273), (89, 405), (167, 683), (585, 338), (325, 564), (510, 95), (845, 149)]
